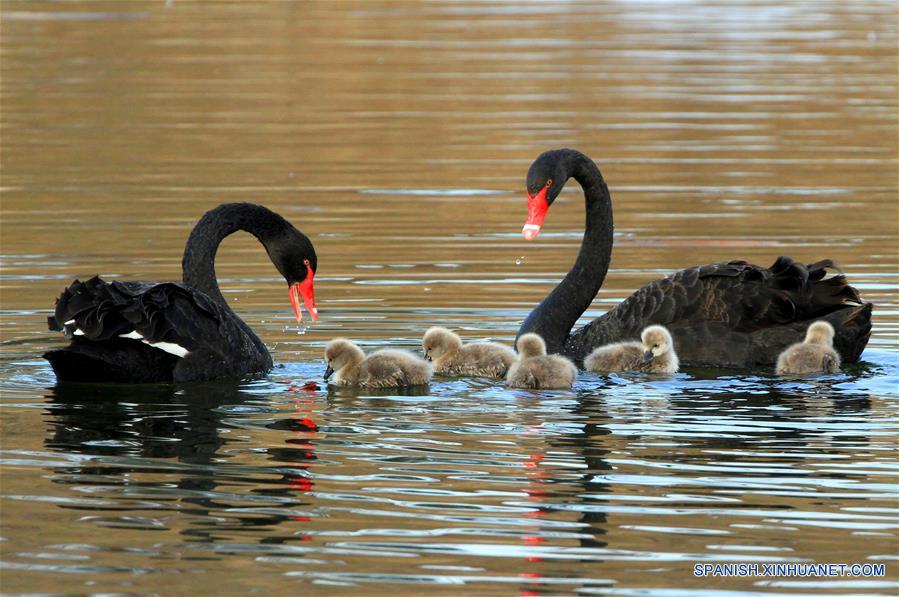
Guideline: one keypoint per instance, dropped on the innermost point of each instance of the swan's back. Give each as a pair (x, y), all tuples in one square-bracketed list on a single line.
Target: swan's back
[(735, 313), (141, 332)]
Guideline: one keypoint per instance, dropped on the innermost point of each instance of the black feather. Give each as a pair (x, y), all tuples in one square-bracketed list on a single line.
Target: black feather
[(735, 313)]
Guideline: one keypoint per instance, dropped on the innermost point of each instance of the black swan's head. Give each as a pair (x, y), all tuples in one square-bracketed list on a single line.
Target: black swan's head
[(546, 178), (290, 250), (294, 256)]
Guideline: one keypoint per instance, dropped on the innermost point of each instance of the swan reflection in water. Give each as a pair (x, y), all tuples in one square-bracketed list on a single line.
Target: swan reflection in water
[(135, 434), (135, 431), (609, 426)]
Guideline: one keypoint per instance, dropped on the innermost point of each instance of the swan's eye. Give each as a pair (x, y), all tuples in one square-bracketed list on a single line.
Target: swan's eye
[(306, 263), (549, 183)]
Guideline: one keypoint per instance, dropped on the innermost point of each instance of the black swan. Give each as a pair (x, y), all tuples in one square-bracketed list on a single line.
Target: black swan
[(729, 314), (143, 332)]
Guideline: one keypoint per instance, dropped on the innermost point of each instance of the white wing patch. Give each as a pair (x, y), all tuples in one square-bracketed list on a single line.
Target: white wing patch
[(169, 347)]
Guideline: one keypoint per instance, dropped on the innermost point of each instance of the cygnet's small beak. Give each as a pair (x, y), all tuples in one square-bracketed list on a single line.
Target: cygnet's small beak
[(428, 358), (647, 356), (328, 373)]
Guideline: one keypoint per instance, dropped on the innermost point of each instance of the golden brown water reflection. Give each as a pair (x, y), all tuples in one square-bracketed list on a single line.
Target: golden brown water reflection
[(397, 135)]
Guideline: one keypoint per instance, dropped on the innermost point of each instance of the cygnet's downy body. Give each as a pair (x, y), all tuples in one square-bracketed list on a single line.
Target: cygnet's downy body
[(450, 357), (813, 355), (653, 354), (538, 370), (382, 369)]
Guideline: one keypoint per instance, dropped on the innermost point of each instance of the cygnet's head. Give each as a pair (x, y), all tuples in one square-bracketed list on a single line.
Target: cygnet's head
[(531, 345), (439, 341), (821, 333), (339, 353), (656, 342)]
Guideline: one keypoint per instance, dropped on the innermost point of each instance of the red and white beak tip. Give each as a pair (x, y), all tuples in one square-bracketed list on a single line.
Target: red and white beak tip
[(530, 231), (537, 208), (302, 294)]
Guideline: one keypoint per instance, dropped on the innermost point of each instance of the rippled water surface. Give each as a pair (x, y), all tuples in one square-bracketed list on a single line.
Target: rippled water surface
[(397, 135)]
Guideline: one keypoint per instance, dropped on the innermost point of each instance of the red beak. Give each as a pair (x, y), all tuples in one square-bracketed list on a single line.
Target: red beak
[(537, 207), (306, 291)]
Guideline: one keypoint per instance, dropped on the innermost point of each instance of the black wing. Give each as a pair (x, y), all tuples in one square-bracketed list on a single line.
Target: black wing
[(724, 313), (159, 313), (143, 332)]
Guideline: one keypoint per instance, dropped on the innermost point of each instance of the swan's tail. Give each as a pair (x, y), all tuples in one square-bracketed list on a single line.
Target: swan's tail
[(833, 289), (805, 294), (96, 309), (852, 325), (804, 291)]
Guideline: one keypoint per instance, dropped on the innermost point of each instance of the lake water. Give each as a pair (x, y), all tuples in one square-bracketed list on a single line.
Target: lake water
[(397, 135)]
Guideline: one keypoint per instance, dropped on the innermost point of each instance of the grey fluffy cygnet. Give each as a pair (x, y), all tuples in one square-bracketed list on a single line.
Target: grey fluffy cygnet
[(536, 369), (812, 355), (653, 354), (381, 369), (449, 356)]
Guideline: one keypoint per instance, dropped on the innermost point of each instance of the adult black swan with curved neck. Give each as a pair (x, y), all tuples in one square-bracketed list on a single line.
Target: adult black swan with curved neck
[(141, 332), (729, 314)]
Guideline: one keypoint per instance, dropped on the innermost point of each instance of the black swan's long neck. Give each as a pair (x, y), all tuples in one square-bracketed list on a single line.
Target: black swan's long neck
[(556, 315), (198, 264)]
